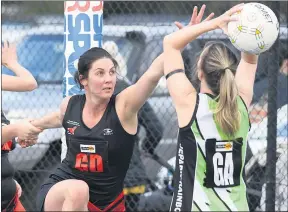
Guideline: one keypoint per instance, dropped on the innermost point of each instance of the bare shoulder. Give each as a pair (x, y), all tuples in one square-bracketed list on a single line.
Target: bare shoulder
[(64, 104), (185, 111)]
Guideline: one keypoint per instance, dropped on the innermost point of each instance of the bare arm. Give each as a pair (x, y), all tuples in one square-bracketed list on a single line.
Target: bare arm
[(173, 44), (141, 90), (180, 88), (8, 133), (245, 76), (53, 120), (24, 80)]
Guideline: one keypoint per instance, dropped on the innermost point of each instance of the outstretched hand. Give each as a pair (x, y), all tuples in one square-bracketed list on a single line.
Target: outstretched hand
[(196, 17)]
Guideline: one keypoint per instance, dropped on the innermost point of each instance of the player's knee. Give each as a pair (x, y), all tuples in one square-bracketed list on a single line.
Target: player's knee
[(79, 192)]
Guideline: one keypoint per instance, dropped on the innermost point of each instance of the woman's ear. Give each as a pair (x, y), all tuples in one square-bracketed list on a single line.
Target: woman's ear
[(83, 81), (200, 75)]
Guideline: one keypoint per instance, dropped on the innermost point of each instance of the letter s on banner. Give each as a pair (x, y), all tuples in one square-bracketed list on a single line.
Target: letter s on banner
[(82, 30)]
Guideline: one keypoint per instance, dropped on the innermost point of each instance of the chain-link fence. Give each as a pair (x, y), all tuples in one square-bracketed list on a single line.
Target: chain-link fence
[(37, 28)]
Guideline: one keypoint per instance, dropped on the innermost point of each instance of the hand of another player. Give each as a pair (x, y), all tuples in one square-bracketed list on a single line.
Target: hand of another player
[(222, 21), (27, 133), (196, 17), (9, 54)]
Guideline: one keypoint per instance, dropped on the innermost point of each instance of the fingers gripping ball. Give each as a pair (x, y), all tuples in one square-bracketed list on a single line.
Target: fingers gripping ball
[(255, 30)]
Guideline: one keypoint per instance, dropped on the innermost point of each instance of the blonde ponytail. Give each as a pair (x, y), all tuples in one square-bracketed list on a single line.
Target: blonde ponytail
[(226, 112), (219, 64)]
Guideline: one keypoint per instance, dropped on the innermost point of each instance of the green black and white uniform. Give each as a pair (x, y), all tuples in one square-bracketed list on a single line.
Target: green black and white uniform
[(209, 164)]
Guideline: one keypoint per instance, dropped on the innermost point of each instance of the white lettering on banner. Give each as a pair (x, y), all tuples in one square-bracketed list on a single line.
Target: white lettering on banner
[(83, 30), (179, 197)]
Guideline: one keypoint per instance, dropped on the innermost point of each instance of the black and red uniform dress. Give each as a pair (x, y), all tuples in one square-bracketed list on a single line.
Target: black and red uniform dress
[(100, 156)]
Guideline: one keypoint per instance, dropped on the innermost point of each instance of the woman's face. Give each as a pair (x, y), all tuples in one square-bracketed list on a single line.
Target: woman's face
[(101, 78)]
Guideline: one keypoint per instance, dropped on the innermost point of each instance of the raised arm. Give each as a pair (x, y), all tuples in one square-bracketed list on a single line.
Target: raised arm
[(245, 76), (135, 96), (180, 87), (24, 80), (54, 119)]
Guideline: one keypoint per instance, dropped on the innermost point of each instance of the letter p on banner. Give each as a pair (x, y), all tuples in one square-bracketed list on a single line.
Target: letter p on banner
[(82, 30)]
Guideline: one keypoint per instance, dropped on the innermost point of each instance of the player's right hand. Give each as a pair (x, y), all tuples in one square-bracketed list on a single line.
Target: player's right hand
[(222, 21)]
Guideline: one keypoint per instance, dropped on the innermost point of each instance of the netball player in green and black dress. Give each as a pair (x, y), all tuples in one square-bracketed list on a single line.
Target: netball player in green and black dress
[(213, 124)]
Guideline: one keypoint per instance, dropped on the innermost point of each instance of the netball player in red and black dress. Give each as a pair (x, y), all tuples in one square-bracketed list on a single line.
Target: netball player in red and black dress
[(100, 129)]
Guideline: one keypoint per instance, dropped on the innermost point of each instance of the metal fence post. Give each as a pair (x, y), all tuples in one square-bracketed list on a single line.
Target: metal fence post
[(272, 122)]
